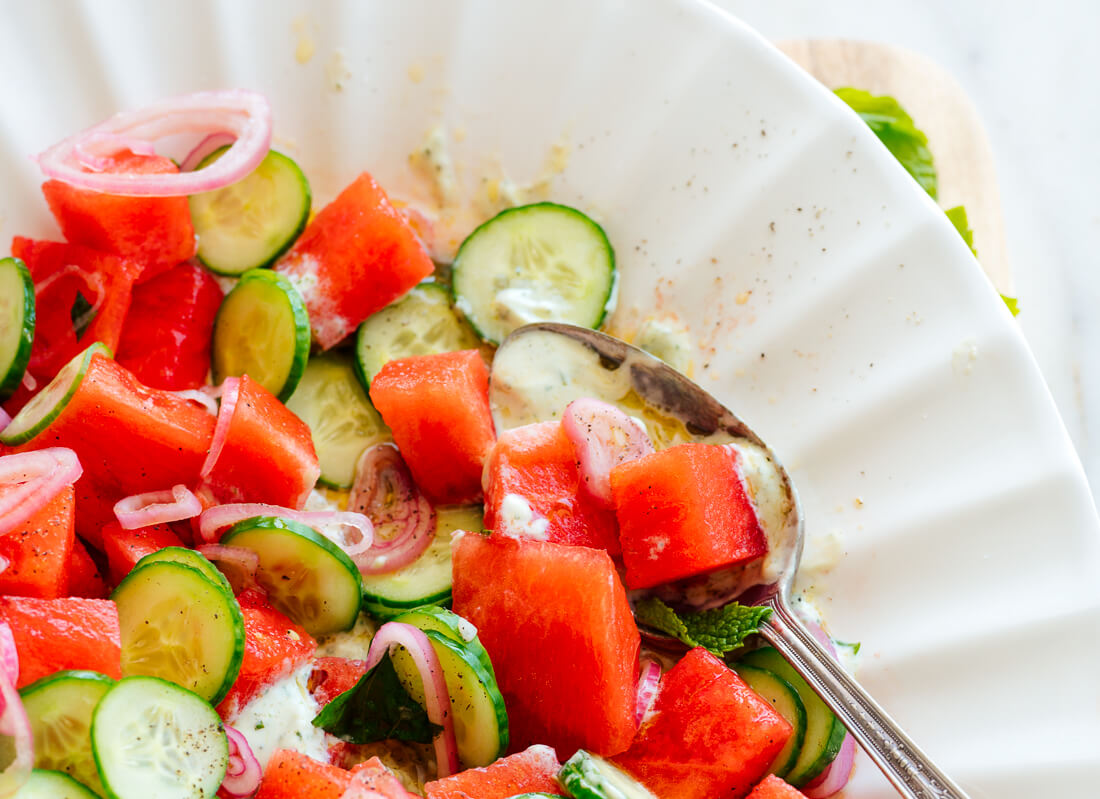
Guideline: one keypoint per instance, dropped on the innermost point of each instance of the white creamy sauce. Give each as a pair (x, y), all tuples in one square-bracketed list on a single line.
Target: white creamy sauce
[(281, 718), (353, 643), (668, 340), (519, 520), (773, 506), (433, 161), (520, 305)]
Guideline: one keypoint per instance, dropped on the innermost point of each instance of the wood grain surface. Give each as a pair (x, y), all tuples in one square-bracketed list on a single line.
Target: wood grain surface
[(940, 108)]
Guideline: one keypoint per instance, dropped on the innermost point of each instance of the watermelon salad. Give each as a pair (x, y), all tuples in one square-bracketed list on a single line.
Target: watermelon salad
[(265, 530)]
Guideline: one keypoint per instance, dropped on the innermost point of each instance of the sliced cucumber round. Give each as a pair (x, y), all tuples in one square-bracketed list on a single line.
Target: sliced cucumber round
[(427, 580), (48, 403), (480, 719), (340, 416), (431, 618), (420, 323), (60, 708), (262, 330), (16, 323), (589, 776), (782, 696), (178, 624), (824, 732), (250, 223), (535, 263), (45, 784), (188, 557), (152, 738), (306, 576)]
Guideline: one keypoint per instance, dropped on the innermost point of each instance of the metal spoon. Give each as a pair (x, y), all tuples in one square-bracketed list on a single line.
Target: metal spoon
[(614, 367)]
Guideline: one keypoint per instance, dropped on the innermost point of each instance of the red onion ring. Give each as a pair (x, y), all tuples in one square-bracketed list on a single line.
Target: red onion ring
[(231, 389), (436, 698), (384, 491), (9, 655), (202, 398), (5, 419), (33, 479), (836, 775), (13, 721), (157, 507), (238, 564), (83, 150), (243, 774), (246, 115), (208, 145), (648, 683), (602, 437), (332, 524)]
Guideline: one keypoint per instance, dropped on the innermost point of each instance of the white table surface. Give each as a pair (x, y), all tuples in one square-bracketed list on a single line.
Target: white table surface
[(1033, 71)]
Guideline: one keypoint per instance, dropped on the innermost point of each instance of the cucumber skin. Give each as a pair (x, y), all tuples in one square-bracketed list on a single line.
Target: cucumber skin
[(748, 674), (13, 378), (49, 784), (612, 292), (64, 674)]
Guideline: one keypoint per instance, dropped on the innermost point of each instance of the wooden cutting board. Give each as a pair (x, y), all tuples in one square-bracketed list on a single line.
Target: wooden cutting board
[(940, 108)]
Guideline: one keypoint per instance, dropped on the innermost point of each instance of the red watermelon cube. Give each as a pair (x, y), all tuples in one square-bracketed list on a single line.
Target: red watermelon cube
[(124, 548), (708, 733), (684, 511), (771, 787), (292, 775), (55, 634), (533, 770), (559, 631), (38, 553), (537, 463)]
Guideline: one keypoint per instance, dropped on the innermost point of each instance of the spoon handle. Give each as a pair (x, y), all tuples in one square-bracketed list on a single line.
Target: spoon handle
[(903, 763)]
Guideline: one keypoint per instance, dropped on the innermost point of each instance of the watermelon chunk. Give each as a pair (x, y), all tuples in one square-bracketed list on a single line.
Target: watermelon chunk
[(332, 676), (533, 770), (771, 787), (155, 231), (684, 511), (438, 409), (559, 631), (39, 553), (130, 439), (268, 454), (707, 735), (373, 775), (537, 463), (84, 577), (292, 775), (124, 548), (356, 257), (274, 646), (55, 634)]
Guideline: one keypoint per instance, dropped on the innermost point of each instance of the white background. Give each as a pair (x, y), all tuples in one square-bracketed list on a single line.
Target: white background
[(1033, 71)]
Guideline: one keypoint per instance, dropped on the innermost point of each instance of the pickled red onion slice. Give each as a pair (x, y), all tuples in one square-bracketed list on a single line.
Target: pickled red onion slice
[(602, 437), (384, 491), (352, 532), (29, 480), (242, 775), (9, 655), (231, 389), (245, 115), (5, 419), (836, 774), (204, 148), (437, 701), (157, 507), (111, 143), (14, 723), (648, 683)]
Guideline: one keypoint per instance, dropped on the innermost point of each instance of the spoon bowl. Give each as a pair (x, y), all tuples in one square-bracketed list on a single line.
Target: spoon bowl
[(540, 368)]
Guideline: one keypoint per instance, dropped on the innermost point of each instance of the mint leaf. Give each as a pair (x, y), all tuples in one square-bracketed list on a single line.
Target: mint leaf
[(376, 708), (852, 645), (719, 630), (957, 215), (82, 314), (1012, 303), (895, 128)]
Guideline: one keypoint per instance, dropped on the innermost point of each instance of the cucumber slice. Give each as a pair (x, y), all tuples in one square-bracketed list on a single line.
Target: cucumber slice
[(16, 323), (249, 224), (307, 577), (178, 624), (60, 708), (188, 557), (427, 580), (783, 697), (262, 330), (44, 784), (420, 323), (481, 722), (48, 403), (340, 416), (535, 263), (589, 776), (449, 625), (152, 738), (824, 732)]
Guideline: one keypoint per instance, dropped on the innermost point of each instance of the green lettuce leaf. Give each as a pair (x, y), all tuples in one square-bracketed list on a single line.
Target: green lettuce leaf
[(719, 630), (957, 215), (1012, 303), (376, 708), (894, 128)]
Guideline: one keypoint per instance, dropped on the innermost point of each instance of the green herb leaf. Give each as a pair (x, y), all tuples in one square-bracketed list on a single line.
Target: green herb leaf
[(82, 313), (852, 645), (719, 630), (957, 215), (895, 128), (376, 708), (1012, 303)]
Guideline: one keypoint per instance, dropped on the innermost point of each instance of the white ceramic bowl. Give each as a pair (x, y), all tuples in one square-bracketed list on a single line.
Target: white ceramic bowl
[(833, 306)]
